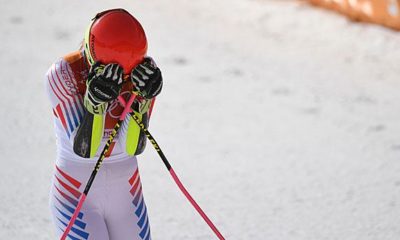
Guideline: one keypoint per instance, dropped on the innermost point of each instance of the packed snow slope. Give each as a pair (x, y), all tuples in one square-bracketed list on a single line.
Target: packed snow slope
[(281, 119)]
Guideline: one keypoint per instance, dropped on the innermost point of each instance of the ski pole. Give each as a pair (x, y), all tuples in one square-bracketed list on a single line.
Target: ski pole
[(172, 172), (99, 162)]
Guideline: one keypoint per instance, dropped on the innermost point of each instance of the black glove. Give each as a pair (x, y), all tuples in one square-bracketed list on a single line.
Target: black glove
[(104, 85), (146, 78)]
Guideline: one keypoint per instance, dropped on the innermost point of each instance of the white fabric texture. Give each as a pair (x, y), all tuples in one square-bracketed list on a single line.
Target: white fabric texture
[(114, 208)]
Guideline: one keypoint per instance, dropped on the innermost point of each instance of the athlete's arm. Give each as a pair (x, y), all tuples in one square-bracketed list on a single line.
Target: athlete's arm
[(147, 81), (66, 102), (103, 86)]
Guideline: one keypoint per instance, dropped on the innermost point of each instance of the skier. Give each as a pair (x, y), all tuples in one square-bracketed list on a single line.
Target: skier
[(83, 88)]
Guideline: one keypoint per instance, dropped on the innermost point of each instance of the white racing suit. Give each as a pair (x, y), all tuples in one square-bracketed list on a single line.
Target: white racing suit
[(114, 208)]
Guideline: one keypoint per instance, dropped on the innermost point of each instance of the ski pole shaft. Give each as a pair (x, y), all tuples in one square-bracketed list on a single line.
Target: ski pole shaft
[(173, 174), (97, 166)]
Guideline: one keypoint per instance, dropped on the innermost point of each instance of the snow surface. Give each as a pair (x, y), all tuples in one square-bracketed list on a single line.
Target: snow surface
[(282, 120)]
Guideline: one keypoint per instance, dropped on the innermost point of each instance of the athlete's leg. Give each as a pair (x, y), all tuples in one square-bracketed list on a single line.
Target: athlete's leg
[(64, 195), (126, 212)]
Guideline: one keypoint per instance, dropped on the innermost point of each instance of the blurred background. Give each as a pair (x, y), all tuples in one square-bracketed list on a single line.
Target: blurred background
[(281, 119)]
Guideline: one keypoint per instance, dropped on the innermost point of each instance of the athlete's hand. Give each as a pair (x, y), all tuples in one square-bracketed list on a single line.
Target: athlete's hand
[(104, 85), (146, 78)]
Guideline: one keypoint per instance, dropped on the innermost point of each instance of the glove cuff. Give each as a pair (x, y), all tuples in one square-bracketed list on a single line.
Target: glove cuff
[(141, 106), (92, 106)]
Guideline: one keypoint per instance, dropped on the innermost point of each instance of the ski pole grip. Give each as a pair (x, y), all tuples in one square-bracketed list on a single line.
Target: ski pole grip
[(126, 109)]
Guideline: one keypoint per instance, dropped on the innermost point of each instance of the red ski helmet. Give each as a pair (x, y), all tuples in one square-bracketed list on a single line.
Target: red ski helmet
[(115, 36)]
